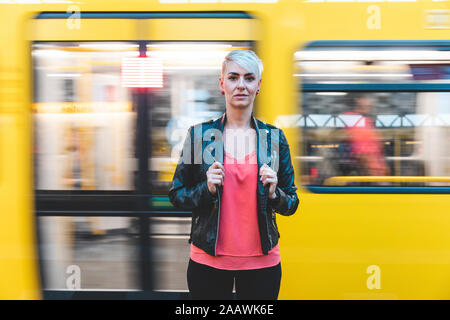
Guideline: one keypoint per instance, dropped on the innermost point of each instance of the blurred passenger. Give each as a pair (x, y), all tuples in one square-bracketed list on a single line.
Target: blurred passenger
[(364, 142), (234, 236)]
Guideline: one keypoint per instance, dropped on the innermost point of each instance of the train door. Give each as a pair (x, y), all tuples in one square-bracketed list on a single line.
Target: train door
[(107, 139)]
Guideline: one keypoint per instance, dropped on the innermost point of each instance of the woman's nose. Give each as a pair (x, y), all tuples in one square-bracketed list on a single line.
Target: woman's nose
[(241, 83)]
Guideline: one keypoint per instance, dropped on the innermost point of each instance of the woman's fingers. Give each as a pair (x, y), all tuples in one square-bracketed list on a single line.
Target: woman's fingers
[(217, 171), (268, 176), (266, 170), (215, 175), (216, 165), (266, 180)]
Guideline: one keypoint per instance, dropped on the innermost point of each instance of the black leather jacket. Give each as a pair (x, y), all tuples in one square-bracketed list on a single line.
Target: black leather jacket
[(190, 191)]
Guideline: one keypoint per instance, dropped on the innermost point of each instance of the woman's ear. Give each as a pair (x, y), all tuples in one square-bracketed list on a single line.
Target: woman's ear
[(259, 86), (221, 85)]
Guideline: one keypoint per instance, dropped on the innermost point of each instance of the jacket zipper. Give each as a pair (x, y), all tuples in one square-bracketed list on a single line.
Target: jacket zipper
[(218, 213), (218, 221)]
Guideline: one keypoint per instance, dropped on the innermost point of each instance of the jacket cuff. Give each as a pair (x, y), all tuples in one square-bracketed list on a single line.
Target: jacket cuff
[(209, 196), (275, 202)]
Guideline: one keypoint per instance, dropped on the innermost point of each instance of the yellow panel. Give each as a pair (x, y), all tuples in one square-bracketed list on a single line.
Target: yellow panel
[(88, 29), (19, 273), (152, 29), (328, 246), (18, 259), (202, 29)]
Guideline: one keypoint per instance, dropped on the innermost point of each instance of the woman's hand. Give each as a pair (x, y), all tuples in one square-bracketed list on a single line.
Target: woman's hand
[(268, 176), (215, 176)]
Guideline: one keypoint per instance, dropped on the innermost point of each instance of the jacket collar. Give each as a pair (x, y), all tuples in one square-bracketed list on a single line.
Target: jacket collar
[(220, 123)]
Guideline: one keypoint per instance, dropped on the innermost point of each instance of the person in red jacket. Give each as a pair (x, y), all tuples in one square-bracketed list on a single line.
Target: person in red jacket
[(365, 141)]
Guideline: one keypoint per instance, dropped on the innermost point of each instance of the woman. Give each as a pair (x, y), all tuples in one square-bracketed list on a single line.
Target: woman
[(234, 183)]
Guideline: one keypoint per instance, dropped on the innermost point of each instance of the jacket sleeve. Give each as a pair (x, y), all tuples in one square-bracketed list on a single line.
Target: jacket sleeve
[(287, 201), (183, 194)]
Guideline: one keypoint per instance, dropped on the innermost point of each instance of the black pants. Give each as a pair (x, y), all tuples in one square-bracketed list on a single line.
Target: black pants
[(207, 283)]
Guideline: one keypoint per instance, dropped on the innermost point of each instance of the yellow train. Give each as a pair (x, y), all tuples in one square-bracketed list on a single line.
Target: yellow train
[(87, 153)]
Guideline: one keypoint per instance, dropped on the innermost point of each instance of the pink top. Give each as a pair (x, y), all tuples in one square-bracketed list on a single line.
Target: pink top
[(238, 244)]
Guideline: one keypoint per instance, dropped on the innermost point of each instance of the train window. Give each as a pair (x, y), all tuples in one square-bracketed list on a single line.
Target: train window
[(374, 116), (91, 162), (77, 252), (84, 122), (84, 118), (190, 95)]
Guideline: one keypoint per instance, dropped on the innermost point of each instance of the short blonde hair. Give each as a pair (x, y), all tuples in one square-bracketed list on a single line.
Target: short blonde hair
[(247, 59)]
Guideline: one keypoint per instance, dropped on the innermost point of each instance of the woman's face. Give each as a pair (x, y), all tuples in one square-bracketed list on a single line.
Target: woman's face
[(239, 86)]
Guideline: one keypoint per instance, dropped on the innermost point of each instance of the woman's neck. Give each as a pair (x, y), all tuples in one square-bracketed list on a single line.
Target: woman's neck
[(239, 119)]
